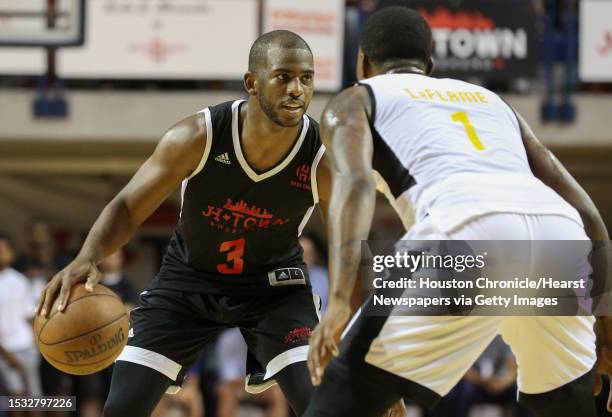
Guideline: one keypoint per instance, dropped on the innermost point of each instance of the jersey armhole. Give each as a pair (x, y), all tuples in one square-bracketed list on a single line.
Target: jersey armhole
[(313, 173), (372, 116), (516, 119), (207, 147)]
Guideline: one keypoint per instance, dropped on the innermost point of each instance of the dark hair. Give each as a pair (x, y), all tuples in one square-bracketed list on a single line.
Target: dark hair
[(7, 238), (394, 34), (281, 38)]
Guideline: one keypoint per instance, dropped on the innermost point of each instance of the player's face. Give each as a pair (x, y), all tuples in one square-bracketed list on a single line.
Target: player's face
[(6, 254), (285, 87)]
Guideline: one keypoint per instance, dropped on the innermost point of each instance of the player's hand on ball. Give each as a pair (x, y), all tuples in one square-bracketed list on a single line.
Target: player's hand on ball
[(325, 337), (603, 332), (79, 270)]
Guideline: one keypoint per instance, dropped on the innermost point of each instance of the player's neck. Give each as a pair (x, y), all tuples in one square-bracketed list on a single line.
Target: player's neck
[(264, 143), (405, 70), (258, 127), (403, 67)]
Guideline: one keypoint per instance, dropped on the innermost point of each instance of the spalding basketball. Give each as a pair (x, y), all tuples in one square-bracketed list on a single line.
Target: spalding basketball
[(88, 335)]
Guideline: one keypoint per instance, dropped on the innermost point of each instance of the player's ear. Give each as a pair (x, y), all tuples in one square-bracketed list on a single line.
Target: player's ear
[(430, 66), (361, 64), (250, 83)]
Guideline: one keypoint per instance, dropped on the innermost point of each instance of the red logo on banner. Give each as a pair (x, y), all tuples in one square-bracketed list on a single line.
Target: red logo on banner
[(444, 18), (158, 50)]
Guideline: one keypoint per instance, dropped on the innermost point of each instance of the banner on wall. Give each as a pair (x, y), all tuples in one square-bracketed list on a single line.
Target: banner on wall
[(481, 38), (164, 39), (595, 41), (321, 24)]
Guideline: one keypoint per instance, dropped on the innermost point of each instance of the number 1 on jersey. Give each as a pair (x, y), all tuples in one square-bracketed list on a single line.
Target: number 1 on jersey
[(462, 118), (235, 252)]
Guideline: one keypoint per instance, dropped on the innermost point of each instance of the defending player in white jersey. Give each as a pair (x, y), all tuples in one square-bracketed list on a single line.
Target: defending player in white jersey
[(455, 160)]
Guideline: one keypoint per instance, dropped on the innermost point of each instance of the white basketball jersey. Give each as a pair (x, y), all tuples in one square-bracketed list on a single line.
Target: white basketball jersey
[(452, 150)]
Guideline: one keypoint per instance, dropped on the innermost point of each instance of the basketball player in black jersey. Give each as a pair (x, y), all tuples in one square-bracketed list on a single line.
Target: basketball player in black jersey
[(250, 174), (396, 40)]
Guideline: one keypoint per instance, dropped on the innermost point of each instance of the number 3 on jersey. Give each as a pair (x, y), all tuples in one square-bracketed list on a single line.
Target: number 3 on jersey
[(462, 118), (235, 252)]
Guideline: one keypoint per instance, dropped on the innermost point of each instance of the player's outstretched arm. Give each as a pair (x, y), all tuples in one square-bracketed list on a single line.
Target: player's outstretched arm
[(175, 157), (551, 171), (346, 134), (548, 169)]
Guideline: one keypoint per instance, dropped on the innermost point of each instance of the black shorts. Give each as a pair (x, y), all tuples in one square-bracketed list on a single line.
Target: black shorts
[(169, 329)]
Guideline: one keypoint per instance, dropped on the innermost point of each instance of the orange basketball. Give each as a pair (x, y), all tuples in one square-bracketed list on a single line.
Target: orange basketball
[(88, 335)]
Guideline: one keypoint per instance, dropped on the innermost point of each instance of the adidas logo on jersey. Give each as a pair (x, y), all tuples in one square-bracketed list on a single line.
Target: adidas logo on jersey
[(223, 158)]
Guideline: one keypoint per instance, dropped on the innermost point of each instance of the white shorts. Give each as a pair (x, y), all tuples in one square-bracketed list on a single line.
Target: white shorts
[(437, 351)]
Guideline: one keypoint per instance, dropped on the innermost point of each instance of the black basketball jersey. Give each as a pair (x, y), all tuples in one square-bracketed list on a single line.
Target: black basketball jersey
[(238, 228)]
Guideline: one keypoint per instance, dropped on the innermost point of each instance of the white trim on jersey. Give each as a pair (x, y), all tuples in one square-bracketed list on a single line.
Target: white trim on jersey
[(313, 186), (401, 205), (305, 220), (288, 357), (243, 162), (313, 175), (183, 188), (258, 389), (209, 138), (207, 147), (151, 360)]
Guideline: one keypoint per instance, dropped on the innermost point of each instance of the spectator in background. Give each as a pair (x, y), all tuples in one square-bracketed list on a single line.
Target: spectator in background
[(231, 354), (3, 392), (41, 259), (492, 380), (19, 358), (114, 278), (314, 257), (188, 401)]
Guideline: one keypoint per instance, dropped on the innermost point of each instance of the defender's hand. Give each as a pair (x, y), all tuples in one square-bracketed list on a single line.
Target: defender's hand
[(603, 333), (325, 337), (78, 270)]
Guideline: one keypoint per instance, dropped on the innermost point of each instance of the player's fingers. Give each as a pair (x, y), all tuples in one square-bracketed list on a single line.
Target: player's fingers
[(330, 346), (313, 357), (50, 294), (64, 294), (598, 384), (93, 278), (41, 301), (609, 405), (333, 346)]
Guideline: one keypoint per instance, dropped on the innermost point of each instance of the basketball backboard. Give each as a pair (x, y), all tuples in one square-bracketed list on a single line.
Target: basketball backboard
[(42, 22)]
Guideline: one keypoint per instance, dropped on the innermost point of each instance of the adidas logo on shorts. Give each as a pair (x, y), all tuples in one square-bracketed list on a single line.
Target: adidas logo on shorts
[(223, 158)]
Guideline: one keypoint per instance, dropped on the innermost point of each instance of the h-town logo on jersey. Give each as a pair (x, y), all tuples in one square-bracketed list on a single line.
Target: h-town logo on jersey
[(240, 217), (302, 181)]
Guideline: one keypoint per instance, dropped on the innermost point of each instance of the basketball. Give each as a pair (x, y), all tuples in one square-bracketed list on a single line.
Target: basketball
[(88, 335)]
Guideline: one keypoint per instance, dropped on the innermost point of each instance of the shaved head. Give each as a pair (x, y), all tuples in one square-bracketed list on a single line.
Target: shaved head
[(282, 39)]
